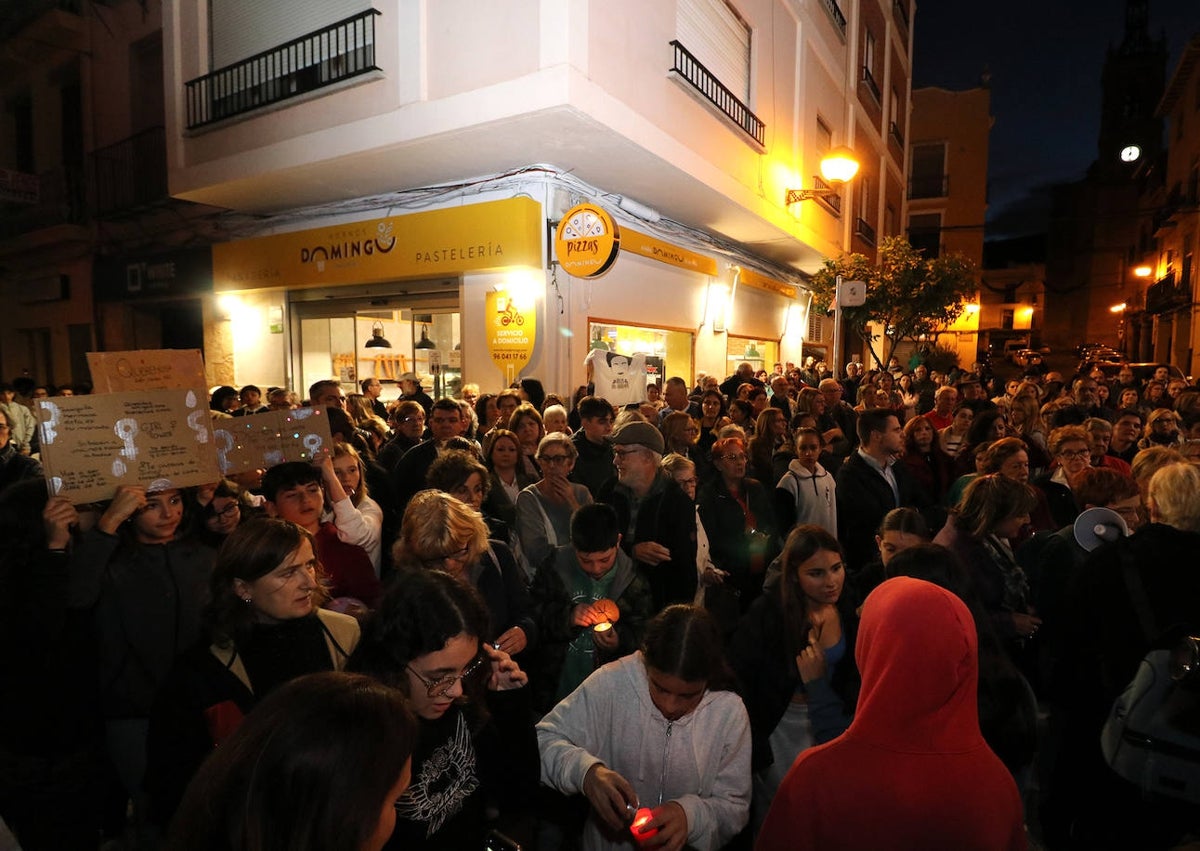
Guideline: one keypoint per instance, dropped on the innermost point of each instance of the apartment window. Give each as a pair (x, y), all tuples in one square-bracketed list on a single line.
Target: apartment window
[(925, 233), (242, 28), (869, 51), (716, 35), (146, 107), (927, 171), (824, 137), (889, 220), (1007, 315), (21, 108)]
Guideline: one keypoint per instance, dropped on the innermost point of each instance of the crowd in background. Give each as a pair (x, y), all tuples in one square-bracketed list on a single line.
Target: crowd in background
[(591, 611)]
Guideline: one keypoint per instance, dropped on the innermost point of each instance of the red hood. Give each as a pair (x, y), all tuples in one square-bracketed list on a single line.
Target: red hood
[(920, 665)]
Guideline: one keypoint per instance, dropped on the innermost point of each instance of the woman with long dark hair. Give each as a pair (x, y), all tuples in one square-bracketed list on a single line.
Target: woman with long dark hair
[(475, 747), (794, 656)]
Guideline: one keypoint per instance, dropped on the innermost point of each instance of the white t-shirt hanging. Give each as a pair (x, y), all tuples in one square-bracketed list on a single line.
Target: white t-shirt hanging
[(620, 379)]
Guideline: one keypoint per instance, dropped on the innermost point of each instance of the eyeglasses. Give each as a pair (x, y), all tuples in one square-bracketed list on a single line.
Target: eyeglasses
[(228, 510), (554, 459), (621, 453), (734, 457), (438, 687), (1075, 453)]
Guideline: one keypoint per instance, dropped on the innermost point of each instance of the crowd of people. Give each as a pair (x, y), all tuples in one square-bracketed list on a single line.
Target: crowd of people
[(776, 610)]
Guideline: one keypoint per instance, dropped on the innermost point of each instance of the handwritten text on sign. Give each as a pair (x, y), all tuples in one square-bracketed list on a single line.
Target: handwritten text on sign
[(155, 438)]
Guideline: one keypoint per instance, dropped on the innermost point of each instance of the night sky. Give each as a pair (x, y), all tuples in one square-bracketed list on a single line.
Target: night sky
[(1045, 59)]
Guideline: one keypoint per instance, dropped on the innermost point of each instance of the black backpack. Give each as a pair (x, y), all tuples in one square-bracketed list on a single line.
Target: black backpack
[(1152, 736)]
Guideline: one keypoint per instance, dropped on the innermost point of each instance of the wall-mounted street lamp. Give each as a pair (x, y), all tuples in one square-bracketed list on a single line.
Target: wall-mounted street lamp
[(837, 167), (1143, 271)]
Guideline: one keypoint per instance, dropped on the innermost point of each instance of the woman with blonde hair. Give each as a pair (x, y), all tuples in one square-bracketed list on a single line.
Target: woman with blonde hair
[(440, 532)]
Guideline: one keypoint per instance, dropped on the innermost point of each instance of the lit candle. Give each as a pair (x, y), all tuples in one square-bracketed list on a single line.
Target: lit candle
[(640, 820), (603, 626)]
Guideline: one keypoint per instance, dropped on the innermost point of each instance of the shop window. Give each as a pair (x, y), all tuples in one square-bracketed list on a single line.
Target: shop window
[(668, 352), (760, 354)]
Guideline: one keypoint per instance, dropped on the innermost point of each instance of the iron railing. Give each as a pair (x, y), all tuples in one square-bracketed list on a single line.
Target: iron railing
[(832, 200), (869, 81), (933, 186), (864, 231), (132, 173), (835, 14), (715, 92), (894, 132), (329, 55)]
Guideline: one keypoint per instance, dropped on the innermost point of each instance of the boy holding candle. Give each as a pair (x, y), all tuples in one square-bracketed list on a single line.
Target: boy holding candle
[(590, 603)]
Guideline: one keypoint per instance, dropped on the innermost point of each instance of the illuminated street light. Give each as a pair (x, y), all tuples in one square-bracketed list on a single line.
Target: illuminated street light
[(837, 167)]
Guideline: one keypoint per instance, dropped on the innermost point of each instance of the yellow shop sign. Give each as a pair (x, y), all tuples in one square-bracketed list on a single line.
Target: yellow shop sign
[(511, 332), (475, 237), (587, 241)]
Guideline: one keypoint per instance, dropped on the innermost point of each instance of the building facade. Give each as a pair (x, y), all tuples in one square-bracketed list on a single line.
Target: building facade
[(404, 171)]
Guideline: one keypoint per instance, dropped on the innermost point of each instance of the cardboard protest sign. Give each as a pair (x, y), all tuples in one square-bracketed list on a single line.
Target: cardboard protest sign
[(155, 438), (260, 441), (151, 369)]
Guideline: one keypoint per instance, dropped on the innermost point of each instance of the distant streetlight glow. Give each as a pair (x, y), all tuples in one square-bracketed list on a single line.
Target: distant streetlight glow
[(1118, 308), (1143, 271)]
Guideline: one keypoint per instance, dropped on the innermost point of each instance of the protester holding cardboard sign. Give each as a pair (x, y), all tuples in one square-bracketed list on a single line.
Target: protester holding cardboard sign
[(144, 586)]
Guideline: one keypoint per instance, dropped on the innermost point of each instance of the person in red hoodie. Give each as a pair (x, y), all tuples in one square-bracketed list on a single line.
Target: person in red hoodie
[(912, 771)]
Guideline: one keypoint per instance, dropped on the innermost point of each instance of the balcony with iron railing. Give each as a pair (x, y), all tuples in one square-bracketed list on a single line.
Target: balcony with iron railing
[(330, 55), (1166, 295), (864, 231), (835, 15), (132, 173), (833, 200), (895, 135), (931, 186), (691, 71), (868, 80)]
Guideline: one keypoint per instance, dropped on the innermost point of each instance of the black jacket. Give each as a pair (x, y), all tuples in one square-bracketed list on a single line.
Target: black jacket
[(666, 516), (594, 466), (863, 498)]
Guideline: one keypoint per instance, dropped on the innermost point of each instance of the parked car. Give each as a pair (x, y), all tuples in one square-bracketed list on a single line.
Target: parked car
[(1142, 372), (1099, 353), (1026, 357)]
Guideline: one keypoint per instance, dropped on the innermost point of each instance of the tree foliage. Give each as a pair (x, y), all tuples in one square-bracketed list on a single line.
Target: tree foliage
[(907, 295)]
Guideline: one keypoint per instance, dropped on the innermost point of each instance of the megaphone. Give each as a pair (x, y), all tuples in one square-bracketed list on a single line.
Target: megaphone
[(1098, 526)]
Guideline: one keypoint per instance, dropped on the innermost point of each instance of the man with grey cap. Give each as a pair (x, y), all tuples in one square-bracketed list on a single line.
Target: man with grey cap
[(657, 519), (410, 389)]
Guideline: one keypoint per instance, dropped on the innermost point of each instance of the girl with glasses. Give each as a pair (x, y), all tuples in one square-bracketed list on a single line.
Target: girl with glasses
[(475, 747)]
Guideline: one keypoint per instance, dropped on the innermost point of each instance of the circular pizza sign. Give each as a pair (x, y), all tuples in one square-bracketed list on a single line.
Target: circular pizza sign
[(587, 241)]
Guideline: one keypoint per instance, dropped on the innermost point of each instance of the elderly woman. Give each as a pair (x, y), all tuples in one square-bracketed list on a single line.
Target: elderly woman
[(526, 424), (262, 627), (740, 520), (440, 532), (544, 509), (1072, 455), (683, 471), (992, 512)]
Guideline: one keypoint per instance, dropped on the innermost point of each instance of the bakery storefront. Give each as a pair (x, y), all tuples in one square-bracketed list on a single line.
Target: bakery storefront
[(373, 298)]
